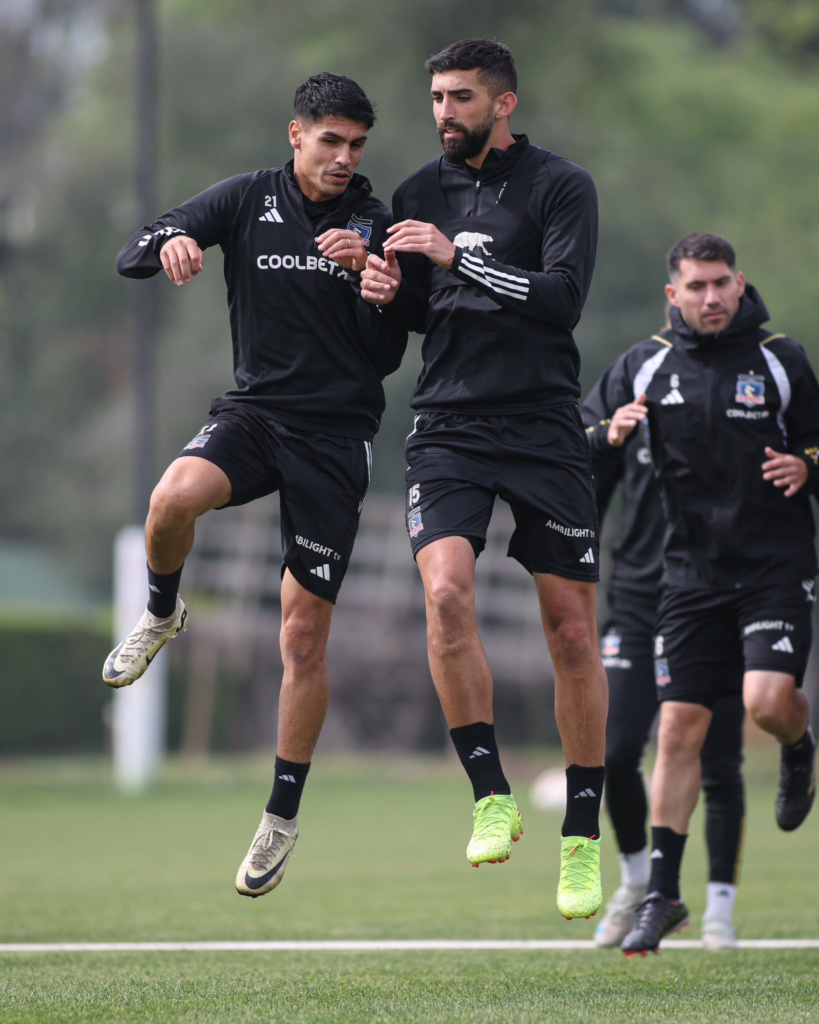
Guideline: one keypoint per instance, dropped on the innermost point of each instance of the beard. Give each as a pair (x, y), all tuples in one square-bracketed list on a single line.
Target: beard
[(471, 142)]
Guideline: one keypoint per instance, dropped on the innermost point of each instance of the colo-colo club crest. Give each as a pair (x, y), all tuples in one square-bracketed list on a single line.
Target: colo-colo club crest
[(750, 390), (362, 226)]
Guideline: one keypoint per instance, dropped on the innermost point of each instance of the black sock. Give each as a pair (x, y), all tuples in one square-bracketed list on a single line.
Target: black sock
[(287, 788), (799, 752), (584, 790), (666, 860), (627, 806), (162, 591), (724, 825), (478, 752)]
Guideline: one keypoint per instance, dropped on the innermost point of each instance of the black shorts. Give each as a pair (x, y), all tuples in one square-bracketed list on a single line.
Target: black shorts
[(702, 635), (537, 462), (627, 651), (322, 482)]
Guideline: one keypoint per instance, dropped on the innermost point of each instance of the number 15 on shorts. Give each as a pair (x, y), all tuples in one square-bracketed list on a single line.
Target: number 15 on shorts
[(415, 523)]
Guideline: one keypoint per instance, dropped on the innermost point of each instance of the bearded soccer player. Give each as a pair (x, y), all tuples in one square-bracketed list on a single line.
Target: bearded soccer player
[(309, 358), (498, 241), (627, 647), (730, 411)]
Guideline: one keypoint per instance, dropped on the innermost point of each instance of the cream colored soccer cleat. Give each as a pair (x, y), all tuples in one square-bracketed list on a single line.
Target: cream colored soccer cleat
[(263, 867), (620, 916), (128, 661), (718, 935)]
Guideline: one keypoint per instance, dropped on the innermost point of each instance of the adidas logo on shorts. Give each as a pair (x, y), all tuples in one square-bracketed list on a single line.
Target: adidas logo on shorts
[(588, 557), (322, 570), (783, 645)]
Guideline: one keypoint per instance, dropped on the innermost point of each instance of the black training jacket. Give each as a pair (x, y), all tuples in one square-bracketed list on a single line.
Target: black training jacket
[(499, 324), (306, 348), (714, 403), (638, 551)]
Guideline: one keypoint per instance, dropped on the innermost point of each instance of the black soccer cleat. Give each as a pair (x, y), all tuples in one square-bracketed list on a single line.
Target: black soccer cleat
[(797, 788), (656, 917)]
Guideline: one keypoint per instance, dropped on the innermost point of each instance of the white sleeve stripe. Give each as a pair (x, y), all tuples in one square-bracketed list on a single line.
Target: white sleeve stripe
[(491, 270), (508, 284), (645, 375), (780, 377), (495, 287)]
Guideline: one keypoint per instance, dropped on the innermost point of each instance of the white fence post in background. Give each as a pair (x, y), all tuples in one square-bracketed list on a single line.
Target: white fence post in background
[(138, 720)]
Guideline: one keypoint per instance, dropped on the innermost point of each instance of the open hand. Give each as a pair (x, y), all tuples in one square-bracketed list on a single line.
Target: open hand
[(415, 236), (785, 470)]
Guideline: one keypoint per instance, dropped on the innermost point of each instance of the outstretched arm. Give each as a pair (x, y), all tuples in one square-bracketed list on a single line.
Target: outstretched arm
[(175, 242)]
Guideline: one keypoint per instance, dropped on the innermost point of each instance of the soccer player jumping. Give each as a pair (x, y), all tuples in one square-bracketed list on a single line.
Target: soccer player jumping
[(309, 358), (730, 412), (499, 240)]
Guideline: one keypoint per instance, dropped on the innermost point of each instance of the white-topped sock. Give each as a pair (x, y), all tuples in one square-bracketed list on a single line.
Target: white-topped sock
[(721, 898), (635, 868)]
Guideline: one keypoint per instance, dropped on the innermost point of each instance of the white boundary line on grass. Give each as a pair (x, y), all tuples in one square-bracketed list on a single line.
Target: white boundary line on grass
[(364, 946)]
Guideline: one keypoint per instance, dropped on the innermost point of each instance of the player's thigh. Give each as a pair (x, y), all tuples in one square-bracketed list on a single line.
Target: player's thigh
[(324, 481), (696, 652), (547, 480), (776, 628), (626, 651)]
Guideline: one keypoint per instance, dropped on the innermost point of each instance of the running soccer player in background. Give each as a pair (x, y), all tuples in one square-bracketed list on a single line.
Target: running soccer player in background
[(499, 240), (309, 358), (627, 647), (730, 412)]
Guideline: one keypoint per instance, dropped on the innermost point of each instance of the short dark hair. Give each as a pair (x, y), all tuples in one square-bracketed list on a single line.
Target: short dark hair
[(329, 95), (495, 60), (701, 246)]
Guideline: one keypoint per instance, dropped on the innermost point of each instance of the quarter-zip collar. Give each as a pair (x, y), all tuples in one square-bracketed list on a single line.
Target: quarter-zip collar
[(357, 189), (752, 313), (498, 162)]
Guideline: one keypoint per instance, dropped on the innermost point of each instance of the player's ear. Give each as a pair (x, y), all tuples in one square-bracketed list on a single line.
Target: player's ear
[(741, 282), (505, 104), (671, 294), (294, 131)]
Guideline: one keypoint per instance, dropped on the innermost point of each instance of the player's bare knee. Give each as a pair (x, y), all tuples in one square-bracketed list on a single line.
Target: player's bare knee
[(303, 637), (679, 738), (450, 613), (572, 642), (171, 510)]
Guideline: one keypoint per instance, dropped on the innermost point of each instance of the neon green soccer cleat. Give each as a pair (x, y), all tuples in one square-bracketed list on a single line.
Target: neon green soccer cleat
[(579, 892), (498, 824)]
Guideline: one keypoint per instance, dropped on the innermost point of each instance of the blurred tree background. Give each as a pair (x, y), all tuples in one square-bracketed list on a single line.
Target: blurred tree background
[(690, 115)]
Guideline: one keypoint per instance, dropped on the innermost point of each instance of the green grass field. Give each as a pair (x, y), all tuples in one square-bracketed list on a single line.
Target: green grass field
[(381, 856)]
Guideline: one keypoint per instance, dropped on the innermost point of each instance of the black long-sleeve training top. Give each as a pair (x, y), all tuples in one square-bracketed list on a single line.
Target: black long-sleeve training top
[(499, 324), (638, 552), (306, 348), (714, 403)]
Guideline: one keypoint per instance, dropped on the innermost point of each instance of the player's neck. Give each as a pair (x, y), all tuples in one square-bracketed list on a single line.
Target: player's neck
[(501, 138)]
